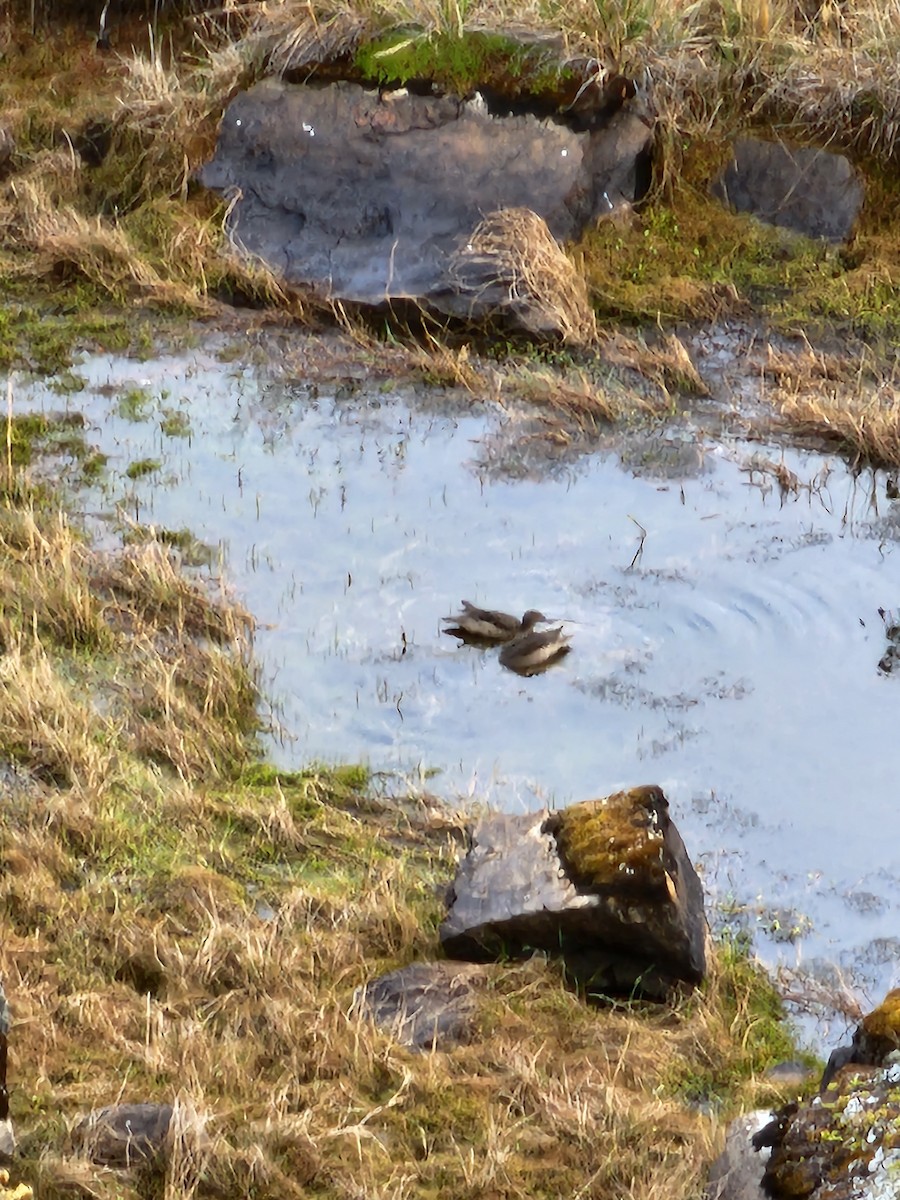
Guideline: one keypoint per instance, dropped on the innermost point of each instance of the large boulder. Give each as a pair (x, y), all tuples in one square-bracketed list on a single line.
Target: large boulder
[(367, 197), (606, 883), (816, 192)]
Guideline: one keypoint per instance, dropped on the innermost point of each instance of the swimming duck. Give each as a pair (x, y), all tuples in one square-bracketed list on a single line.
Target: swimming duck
[(488, 625), (532, 652)]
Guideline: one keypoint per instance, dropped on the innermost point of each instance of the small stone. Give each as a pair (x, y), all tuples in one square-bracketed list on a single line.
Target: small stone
[(124, 1134), (427, 1006)]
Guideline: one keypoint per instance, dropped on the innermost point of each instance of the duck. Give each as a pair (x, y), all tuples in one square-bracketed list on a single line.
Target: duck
[(533, 651), (489, 625)]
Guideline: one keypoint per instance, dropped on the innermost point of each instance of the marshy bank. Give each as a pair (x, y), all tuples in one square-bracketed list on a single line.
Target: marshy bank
[(101, 213)]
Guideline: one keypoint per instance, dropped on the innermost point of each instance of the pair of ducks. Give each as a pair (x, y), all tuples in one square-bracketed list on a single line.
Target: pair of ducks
[(525, 649)]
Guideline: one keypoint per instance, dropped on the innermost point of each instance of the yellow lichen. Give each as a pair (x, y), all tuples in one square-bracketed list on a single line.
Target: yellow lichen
[(20, 1192), (884, 1021), (616, 841)]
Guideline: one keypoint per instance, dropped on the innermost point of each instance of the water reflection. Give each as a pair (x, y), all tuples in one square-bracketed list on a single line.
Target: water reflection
[(725, 627)]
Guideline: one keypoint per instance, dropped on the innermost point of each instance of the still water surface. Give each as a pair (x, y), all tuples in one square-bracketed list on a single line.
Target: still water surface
[(728, 653)]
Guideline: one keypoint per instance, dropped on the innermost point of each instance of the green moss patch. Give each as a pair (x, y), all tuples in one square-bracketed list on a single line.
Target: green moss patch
[(462, 61), (613, 842)]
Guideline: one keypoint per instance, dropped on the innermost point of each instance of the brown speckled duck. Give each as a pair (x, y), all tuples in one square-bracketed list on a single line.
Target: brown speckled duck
[(488, 625), (533, 651)]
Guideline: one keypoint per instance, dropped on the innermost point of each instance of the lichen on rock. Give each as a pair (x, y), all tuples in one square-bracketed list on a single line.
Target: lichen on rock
[(845, 1139), (616, 841)]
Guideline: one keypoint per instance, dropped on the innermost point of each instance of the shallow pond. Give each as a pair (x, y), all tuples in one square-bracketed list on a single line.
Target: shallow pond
[(726, 636)]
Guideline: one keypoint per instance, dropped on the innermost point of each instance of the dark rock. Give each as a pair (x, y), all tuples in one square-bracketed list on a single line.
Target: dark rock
[(843, 1144), (773, 1131), (810, 191), (428, 1006), (365, 197), (124, 1134), (7, 152), (607, 884), (737, 1172), (92, 144)]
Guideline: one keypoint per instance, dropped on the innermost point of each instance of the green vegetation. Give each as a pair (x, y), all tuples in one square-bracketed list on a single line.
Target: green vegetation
[(175, 423), (192, 552), (27, 437), (598, 839), (36, 338), (744, 997), (135, 404), (461, 60), (142, 467), (690, 259)]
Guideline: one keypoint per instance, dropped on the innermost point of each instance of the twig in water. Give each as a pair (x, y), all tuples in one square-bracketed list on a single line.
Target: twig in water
[(640, 550)]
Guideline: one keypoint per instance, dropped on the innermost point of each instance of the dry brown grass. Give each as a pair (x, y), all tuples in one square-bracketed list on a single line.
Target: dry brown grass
[(298, 1092), (569, 393), (850, 404), (63, 239), (427, 355), (828, 69), (112, 653), (127, 226), (665, 363), (512, 259)]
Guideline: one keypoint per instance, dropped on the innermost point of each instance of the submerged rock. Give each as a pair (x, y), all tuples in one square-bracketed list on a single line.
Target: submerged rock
[(367, 197), (607, 884), (428, 1006), (815, 192)]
